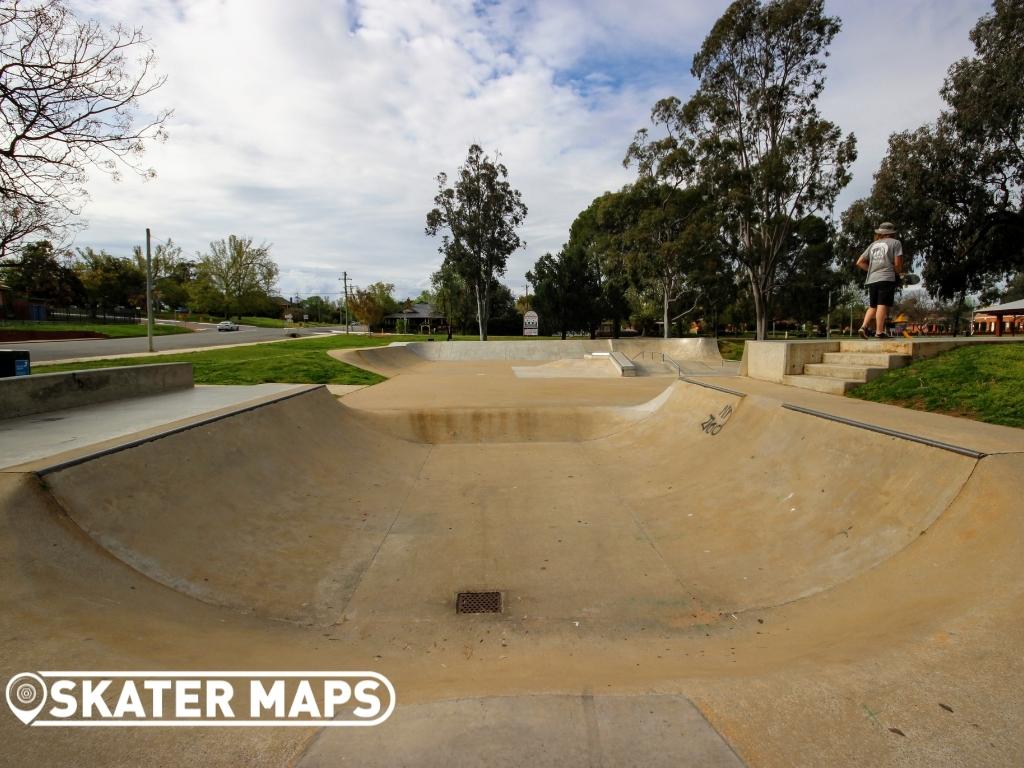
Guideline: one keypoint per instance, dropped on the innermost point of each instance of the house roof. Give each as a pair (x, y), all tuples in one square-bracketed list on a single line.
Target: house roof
[(420, 311), (1012, 306)]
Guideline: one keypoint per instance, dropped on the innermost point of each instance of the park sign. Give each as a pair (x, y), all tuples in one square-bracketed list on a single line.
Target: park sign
[(531, 324)]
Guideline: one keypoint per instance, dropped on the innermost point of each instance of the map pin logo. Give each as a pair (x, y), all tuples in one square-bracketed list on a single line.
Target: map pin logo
[(26, 696)]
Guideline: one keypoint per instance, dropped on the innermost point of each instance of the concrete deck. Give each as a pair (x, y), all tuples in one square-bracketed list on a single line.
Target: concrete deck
[(74, 430), (704, 569)]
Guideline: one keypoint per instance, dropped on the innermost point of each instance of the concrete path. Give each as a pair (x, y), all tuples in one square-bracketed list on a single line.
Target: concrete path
[(74, 429), (539, 731)]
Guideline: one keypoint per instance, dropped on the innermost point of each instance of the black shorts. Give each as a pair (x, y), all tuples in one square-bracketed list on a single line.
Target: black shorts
[(883, 293)]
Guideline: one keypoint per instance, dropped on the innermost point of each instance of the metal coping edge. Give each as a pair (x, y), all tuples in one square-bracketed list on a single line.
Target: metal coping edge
[(890, 432), (166, 433), (713, 386)]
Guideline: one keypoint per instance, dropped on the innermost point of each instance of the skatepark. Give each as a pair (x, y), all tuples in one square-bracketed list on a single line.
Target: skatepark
[(696, 567)]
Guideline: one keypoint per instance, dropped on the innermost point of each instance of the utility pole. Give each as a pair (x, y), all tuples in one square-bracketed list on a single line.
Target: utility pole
[(149, 293), (344, 278)]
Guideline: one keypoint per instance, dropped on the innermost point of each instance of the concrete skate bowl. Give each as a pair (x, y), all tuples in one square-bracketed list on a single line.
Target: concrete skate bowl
[(660, 514), (716, 545)]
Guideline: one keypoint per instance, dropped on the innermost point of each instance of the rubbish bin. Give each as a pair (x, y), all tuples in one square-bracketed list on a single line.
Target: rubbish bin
[(14, 362)]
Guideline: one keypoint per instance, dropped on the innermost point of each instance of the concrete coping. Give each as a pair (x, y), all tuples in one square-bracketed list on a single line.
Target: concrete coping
[(43, 392)]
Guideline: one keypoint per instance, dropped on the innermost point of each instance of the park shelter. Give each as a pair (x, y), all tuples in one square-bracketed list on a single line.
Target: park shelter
[(418, 318), (999, 318)]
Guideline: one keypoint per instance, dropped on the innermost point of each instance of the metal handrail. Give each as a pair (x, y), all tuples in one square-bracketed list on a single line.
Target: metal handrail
[(674, 364)]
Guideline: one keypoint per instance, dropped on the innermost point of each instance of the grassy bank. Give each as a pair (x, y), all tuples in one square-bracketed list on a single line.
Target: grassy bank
[(292, 362), (982, 382), (731, 349), (112, 330)]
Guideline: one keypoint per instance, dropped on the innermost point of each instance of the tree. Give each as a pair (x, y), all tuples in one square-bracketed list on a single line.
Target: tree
[(954, 186), (171, 273), (1014, 289), (668, 230), (986, 92), (504, 318), (318, 308), (752, 135), (597, 233), (243, 275), (567, 291), (202, 296), (807, 278), (371, 304), (69, 95), (477, 218), (967, 232), (111, 282), (39, 273), (452, 297)]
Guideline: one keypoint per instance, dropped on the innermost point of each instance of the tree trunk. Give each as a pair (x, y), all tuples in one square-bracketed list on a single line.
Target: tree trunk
[(760, 308), (479, 313), (959, 310), (664, 308), (485, 309)]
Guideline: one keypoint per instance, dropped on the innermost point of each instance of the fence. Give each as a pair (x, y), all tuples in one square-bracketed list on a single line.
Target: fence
[(91, 315), (22, 310)]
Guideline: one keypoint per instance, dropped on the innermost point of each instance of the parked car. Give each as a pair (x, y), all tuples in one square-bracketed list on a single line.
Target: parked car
[(227, 325)]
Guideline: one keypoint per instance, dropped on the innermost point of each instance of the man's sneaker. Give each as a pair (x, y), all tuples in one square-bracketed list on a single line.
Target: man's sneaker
[(865, 333), (882, 335)]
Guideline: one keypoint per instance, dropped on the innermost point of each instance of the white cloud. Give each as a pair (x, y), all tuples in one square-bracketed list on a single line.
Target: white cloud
[(319, 127)]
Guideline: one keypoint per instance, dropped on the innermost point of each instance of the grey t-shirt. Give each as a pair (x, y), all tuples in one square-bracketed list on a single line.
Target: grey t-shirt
[(881, 256)]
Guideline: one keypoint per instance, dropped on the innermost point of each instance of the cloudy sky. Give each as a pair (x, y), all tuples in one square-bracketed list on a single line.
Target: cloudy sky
[(318, 126)]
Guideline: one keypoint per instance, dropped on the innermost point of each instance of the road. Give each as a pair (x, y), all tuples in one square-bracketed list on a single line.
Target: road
[(209, 336)]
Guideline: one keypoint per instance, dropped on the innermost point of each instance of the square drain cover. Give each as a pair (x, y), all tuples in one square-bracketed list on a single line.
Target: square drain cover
[(478, 602)]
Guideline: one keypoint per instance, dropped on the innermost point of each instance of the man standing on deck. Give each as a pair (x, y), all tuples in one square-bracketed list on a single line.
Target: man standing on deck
[(883, 261)]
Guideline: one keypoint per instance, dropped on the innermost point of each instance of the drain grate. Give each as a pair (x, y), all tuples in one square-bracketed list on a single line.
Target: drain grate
[(478, 602)]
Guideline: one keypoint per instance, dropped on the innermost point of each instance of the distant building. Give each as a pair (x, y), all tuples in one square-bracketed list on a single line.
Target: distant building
[(419, 318), (287, 307), (1000, 318)]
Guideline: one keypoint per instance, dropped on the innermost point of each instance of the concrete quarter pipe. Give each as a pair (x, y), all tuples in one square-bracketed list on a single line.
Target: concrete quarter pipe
[(693, 574)]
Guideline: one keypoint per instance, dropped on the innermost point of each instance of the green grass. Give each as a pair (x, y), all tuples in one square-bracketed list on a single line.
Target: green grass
[(292, 362), (113, 330), (262, 322), (731, 349), (982, 382)]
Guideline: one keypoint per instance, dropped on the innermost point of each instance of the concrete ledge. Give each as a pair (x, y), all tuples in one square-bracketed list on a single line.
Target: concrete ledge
[(623, 363), (42, 392), (774, 360)]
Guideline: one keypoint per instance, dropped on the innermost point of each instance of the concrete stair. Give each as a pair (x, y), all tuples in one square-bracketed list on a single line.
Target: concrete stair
[(855, 363)]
